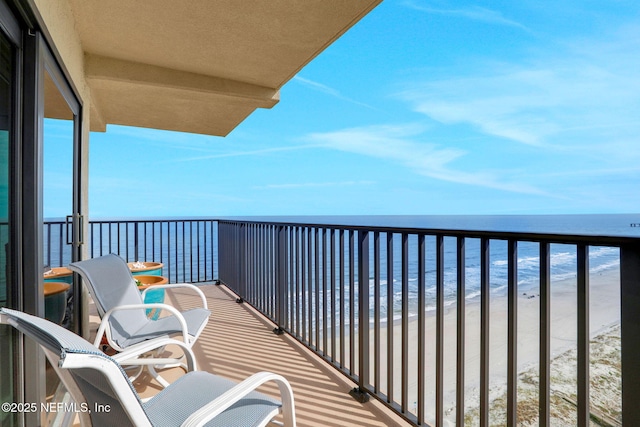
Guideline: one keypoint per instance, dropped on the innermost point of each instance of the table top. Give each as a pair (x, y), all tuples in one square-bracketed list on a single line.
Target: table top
[(53, 288), (148, 281), (57, 272), (148, 266)]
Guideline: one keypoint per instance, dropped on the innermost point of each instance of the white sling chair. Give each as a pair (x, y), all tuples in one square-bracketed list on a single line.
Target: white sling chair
[(126, 324), (98, 383)]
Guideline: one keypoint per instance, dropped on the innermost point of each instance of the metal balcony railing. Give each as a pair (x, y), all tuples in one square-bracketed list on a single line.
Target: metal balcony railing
[(307, 279), (187, 247)]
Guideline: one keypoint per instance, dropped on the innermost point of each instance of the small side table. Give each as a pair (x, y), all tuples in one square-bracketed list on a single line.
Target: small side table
[(55, 300)]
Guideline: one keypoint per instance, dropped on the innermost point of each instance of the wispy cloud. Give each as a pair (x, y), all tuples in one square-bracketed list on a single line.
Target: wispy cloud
[(404, 144), (313, 185), (330, 91), (257, 152), (572, 97), (475, 13)]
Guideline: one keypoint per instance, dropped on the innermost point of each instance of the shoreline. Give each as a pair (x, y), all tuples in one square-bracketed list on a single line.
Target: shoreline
[(604, 313)]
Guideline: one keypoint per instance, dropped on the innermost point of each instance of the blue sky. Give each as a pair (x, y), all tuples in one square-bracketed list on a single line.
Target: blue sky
[(424, 107)]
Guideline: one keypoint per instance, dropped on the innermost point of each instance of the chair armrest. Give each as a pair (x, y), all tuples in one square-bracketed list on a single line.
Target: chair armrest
[(105, 319), (179, 285), (217, 406)]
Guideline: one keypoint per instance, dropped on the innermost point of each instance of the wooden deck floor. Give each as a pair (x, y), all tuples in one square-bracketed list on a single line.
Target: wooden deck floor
[(239, 342)]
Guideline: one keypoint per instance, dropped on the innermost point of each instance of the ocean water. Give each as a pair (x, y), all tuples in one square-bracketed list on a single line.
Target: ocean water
[(602, 260)]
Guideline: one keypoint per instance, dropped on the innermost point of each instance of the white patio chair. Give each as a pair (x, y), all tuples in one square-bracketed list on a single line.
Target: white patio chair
[(126, 325), (104, 395)]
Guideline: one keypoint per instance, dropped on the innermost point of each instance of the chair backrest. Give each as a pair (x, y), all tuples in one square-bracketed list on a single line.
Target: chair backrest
[(94, 380), (111, 284)]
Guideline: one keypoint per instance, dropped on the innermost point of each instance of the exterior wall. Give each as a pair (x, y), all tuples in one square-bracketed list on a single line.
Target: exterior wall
[(60, 25)]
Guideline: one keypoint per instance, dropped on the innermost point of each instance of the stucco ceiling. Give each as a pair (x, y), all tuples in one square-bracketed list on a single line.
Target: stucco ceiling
[(200, 66)]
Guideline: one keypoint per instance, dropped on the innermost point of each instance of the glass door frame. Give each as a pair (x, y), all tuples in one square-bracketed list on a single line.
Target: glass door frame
[(12, 32), (38, 61), (76, 239), (34, 59)]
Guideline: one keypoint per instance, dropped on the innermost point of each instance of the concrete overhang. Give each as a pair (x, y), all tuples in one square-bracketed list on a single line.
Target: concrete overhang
[(200, 66)]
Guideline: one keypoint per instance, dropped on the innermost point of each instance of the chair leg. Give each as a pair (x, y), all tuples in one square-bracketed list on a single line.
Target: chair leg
[(138, 371), (164, 383)]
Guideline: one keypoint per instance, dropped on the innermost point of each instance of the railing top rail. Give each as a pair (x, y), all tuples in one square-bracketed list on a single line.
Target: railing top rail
[(589, 239), (147, 220)]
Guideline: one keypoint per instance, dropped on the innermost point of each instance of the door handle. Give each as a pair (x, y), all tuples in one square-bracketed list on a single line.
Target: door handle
[(69, 223), (75, 226), (80, 229)]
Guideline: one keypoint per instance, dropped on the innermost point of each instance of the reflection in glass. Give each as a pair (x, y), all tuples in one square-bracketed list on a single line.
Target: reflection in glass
[(6, 336), (58, 142)]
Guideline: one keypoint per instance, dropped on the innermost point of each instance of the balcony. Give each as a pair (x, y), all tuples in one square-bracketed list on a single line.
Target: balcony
[(238, 342), (470, 339)]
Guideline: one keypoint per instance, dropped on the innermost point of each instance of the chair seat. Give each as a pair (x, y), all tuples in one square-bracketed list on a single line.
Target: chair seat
[(173, 405), (169, 325), (91, 376)]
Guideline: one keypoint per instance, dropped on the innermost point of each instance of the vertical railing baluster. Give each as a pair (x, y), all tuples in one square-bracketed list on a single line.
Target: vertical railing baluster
[(299, 265), (252, 276), (257, 242), (49, 245), (144, 241), (303, 282), (291, 280), (461, 323), (545, 336), (61, 244), (583, 334), (512, 326), (439, 330), (310, 294), (404, 376), (263, 255), (342, 308), (101, 240), (324, 293), (162, 244), (390, 319), (197, 250), (333, 294), (484, 331), (352, 318), (281, 266), (169, 250), (175, 249), (363, 316), (109, 231), (269, 270), (630, 330), (317, 286), (421, 329), (184, 260), (136, 241), (215, 248), (243, 261), (376, 311), (260, 264)]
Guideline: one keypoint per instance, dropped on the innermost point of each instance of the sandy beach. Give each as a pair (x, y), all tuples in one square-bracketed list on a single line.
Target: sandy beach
[(604, 314)]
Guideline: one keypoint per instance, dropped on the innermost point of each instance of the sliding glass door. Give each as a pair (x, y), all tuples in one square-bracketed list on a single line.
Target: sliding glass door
[(40, 117), (8, 338)]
